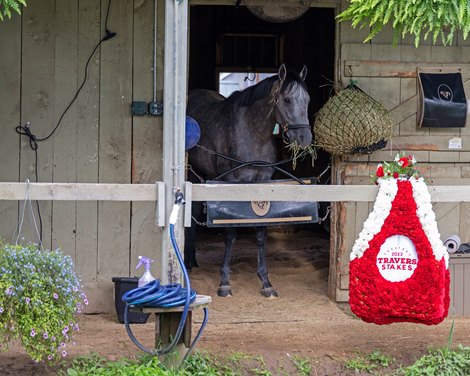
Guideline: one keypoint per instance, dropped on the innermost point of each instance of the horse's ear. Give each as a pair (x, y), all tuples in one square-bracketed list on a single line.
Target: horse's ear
[(282, 72), (303, 73)]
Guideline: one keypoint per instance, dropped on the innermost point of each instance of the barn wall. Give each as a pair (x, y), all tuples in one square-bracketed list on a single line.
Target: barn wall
[(44, 52), (395, 86)]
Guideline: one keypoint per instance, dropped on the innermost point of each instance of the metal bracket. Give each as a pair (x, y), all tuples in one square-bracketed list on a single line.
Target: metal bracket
[(160, 208), (188, 192)]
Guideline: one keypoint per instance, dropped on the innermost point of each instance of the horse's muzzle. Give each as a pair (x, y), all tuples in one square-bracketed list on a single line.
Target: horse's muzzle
[(301, 133)]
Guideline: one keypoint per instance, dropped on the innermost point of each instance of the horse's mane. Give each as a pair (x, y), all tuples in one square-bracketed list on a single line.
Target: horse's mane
[(250, 95)]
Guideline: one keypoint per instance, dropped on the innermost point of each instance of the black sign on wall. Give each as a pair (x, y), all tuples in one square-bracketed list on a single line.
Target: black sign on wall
[(442, 100)]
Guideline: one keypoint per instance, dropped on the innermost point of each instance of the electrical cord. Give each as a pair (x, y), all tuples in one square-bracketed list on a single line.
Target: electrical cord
[(26, 129)]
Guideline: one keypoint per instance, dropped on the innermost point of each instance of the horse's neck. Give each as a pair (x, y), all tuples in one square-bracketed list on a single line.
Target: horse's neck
[(261, 118)]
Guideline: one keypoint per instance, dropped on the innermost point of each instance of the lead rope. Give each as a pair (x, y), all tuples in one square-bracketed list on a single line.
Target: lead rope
[(27, 201)]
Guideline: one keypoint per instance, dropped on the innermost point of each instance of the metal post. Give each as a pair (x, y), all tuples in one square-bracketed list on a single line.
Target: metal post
[(174, 115)]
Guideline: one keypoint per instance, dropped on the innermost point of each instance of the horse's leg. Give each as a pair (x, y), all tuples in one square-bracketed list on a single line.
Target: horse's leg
[(267, 289), (230, 235), (190, 238)]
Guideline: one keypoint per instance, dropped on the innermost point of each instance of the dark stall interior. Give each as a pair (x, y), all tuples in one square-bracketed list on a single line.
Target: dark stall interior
[(227, 38), (231, 39)]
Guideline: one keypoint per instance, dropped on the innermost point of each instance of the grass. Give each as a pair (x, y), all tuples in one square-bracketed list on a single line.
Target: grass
[(200, 364), (440, 362), (437, 362), (303, 366), (369, 363)]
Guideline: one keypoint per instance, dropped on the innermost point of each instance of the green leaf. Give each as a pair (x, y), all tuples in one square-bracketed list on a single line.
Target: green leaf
[(415, 17)]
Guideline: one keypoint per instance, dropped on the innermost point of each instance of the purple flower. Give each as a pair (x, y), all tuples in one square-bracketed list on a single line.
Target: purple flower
[(53, 339), (27, 300), (75, 288), (64, 353), (45, 336), (85, 301), (33, 333), (9, 291), (62, 344), (49, 357), (66, 329), (1, 309), (76, 328), (56, 296)]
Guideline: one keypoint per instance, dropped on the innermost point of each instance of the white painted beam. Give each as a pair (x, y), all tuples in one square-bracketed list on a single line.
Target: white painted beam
[(213, 192)]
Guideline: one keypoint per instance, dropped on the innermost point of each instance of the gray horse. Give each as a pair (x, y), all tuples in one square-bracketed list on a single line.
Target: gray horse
[(241, 127)]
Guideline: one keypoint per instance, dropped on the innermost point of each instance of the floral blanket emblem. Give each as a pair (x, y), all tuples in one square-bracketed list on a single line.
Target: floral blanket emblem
[(399, 265)]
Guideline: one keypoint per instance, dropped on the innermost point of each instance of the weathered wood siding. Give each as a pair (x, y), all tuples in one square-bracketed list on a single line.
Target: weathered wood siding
[(388, 74), (44, 52)]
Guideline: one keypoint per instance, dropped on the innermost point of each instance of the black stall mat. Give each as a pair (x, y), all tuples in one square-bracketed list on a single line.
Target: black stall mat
[(260, 213)]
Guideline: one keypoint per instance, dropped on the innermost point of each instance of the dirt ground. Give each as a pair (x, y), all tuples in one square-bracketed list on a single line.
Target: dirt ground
[(301, 322)]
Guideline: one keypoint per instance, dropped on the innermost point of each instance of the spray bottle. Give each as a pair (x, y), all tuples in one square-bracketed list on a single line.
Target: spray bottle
[(147, 276)]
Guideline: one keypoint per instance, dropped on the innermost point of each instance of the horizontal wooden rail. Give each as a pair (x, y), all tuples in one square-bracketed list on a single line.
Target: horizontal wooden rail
[(80, 191), (213, 192), (323, 193)]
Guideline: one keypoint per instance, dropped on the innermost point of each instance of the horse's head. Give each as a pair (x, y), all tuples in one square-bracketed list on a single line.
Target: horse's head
[(291, 106)]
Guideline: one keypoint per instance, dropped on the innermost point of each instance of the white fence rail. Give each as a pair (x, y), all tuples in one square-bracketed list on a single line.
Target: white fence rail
[(210, 192), (213, 192)]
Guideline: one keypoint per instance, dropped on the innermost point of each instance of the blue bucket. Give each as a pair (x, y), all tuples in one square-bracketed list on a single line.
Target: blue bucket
[(193, 133)]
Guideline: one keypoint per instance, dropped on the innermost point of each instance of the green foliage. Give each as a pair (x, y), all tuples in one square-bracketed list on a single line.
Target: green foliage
[(303, 365), (9, 6), (441, 362), (40, 295), (380, 359), (96, 365), (420, 18), (402, 167), (199, 364), (369, 363)]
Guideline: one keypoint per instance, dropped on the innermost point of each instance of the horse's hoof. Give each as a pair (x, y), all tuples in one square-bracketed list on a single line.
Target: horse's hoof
[(224, 291), (190, 264), (269, 293)]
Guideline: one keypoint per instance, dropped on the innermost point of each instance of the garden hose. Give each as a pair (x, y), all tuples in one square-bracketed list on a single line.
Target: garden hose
[(156, 295)]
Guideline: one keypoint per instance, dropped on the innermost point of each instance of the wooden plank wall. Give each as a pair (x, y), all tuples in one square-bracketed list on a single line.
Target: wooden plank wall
[(98, 141), (388, 74), (10, 112)]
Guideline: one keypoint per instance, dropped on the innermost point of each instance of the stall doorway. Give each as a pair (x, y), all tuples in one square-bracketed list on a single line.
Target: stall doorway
[(230, 47)]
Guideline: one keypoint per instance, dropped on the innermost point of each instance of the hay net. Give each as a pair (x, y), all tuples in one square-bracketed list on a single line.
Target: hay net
[(351, 122)]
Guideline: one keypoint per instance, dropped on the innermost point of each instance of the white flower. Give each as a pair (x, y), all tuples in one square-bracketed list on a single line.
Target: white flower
[(383, 204), (428, 219), (372, 226)]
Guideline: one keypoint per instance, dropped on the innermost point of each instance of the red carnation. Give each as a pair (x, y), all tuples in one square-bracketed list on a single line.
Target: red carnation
[(395, 175), (404, 162), (380, 171)]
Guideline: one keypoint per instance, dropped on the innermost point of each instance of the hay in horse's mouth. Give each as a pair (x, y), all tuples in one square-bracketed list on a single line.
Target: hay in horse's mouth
[(298, 152)]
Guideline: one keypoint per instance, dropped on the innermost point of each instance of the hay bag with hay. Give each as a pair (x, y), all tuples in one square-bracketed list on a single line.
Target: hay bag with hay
[(352, 122)]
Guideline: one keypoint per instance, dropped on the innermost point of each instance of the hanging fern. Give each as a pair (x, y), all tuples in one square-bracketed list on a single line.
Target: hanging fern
[(7, 6), (420, 18)]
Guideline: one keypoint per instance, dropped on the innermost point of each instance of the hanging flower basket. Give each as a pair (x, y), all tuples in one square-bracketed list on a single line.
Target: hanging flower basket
[(399, 265), (352, 123), (40, 296)]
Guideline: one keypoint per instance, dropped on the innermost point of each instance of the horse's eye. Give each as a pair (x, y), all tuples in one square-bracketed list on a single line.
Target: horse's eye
[(287, 100)]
